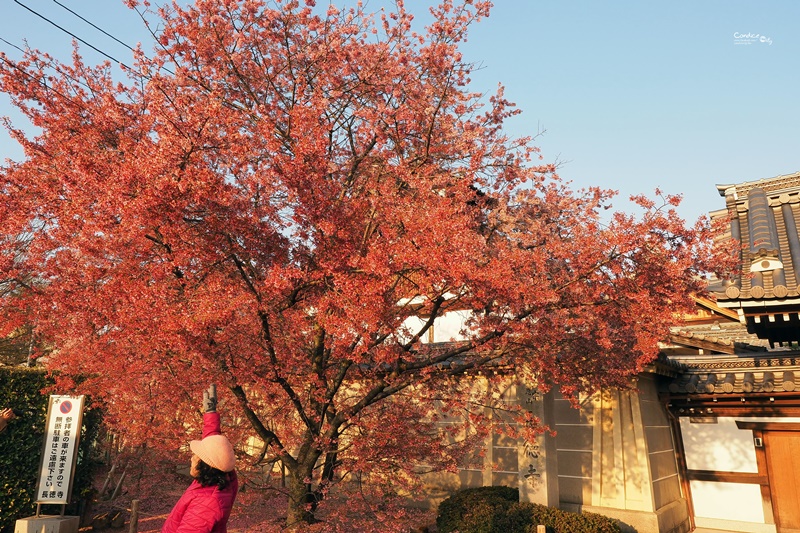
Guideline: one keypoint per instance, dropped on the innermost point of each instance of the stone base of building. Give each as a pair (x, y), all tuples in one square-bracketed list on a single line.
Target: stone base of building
[(48, 524), (672, 518), (733, 525)]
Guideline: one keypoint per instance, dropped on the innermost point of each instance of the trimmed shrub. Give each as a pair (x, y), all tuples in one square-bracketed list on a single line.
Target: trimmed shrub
[(558, 521), (497, 510), (472, 510), (22, 441)]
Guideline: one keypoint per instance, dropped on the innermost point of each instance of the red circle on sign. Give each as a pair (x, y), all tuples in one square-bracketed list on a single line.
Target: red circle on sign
[(66, 407)]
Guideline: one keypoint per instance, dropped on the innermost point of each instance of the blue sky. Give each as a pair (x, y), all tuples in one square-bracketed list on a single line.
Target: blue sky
[(633, 95)]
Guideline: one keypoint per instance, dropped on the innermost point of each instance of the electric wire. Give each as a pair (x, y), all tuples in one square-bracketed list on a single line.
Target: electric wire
[(200, 85), (87, 43), (95, 26), (104, 32), (84, 41), (35, 79), (60, 73), (109, 56), (12, 45)]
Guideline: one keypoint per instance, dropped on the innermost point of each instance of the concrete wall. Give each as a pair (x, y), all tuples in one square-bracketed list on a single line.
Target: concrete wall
[(574, 450), (661, 454), (494, 462), (507, 460), (613, 455), (617, 458)]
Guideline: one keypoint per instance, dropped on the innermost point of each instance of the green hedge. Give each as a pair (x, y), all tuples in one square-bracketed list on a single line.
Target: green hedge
[(498, 510), (21, 444), (472, 510)]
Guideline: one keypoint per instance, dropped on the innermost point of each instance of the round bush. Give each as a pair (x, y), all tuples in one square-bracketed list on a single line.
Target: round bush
[(498, 510), (473, 510)]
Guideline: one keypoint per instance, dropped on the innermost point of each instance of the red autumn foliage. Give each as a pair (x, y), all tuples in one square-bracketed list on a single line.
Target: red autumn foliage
[(266, 202)]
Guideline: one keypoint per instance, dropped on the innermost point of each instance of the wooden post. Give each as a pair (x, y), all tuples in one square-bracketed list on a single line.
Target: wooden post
[(134, 526), (108, 480), (119, 484), (541, 529)]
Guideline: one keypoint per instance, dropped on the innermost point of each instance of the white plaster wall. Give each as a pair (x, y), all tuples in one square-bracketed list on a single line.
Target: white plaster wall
[(727, 501), (446, 328), (726, 448), (721, 446), (412, 325)]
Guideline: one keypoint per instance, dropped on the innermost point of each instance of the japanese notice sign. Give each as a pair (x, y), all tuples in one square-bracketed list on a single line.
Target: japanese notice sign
[(60, 450)]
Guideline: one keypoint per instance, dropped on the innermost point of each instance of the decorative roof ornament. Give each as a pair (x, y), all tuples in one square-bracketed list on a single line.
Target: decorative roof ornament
[(764, 216), (764, 253)]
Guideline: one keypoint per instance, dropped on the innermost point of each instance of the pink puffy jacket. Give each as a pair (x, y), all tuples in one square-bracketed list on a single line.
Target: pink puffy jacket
[(204, 509)]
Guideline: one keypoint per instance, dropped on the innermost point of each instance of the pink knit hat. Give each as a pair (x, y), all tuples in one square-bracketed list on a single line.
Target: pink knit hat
[(215, 451)]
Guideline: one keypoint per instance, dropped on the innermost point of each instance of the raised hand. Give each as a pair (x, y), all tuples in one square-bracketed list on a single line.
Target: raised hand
[(210, 399)]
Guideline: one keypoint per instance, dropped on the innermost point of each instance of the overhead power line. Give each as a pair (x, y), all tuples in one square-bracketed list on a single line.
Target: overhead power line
[(95, 26), (43, 84), (37, 80), (84, 41), (107, 55), (104, 54), (12, 45)]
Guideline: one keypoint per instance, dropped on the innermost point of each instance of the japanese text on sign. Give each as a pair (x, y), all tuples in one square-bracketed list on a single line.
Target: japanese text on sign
[(64, 420), (532, 455)]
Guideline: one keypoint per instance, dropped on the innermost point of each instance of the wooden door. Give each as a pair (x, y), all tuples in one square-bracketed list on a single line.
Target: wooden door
[(783, 465)]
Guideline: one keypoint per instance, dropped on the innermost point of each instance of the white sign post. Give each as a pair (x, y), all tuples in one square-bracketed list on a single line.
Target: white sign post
[(59, 457), (60, 450)]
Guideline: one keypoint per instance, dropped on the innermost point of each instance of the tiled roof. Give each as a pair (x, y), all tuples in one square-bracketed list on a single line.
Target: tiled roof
[(665, 366), (726, 338), (770, 372), (765, 217)]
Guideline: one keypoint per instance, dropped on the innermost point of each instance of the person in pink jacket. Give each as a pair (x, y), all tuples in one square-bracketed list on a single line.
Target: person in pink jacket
[(206, 505)]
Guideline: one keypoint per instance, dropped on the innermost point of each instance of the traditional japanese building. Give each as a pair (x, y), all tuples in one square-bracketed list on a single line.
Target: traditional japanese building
[(709, 436), (738, 412)]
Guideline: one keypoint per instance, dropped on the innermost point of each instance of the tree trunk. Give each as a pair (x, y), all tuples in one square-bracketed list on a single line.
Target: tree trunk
[(300, 510)]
